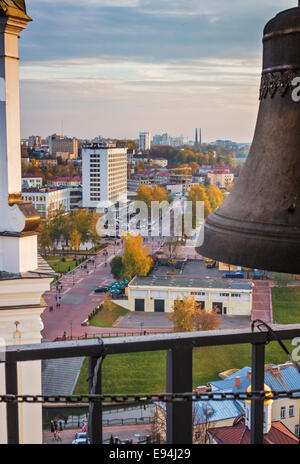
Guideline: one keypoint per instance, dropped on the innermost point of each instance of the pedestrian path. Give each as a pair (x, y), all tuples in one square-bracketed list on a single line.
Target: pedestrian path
[(59, 376), (262, 302)]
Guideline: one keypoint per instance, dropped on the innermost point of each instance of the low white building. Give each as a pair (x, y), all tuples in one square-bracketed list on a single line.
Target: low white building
[(47, 200), (158, 294), (31, 181), (161, 162)]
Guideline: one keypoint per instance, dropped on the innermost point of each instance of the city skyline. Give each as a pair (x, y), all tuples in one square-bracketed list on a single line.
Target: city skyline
[(118, 67)]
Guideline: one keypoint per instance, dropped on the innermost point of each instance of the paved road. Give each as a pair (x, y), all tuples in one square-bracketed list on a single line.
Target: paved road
[(78, 298)]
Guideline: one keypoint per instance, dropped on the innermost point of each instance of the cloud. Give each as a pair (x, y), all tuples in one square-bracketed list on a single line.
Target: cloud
[(156, 63)]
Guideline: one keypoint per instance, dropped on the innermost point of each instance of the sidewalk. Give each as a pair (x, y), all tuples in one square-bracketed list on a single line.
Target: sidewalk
[(123, 433), (262, 302)]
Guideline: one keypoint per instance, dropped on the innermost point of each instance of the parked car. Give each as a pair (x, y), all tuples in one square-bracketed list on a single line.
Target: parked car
[(101, 290), (81, 439)]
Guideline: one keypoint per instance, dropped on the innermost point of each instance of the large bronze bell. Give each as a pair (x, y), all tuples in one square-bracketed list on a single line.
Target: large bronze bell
[(258, 226)]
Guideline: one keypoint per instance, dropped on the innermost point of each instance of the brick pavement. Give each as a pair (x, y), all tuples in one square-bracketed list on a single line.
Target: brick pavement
[(78, 299), (262, 301)]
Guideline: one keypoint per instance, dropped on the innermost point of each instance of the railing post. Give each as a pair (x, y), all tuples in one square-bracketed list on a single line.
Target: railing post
[(180, 380), (257, 384), (12, 409), (95, 432)]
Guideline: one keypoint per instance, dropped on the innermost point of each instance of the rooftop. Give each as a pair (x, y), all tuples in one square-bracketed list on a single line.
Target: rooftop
[(167, 281), (66, 179), (280, 378), (213, 411), (30, 176), (239, 434)]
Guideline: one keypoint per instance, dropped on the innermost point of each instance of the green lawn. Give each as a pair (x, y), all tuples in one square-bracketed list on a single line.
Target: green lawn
[(106, 318), (145, 372), (286, 305), (61, 266)]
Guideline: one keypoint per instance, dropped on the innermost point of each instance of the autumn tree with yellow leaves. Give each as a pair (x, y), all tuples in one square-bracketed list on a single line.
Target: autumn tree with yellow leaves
[(215, 196), (187, 316), (75, 239), (136, 260), (149, 193)]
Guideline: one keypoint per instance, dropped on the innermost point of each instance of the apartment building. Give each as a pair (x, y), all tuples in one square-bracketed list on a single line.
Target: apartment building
[(47, 200), (31, 181), (66, 181), (220, 177), (104, 175), (145, 141), (59, 145)]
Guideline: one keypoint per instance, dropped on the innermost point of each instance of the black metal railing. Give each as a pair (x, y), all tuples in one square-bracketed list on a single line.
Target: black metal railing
[(179, 348)]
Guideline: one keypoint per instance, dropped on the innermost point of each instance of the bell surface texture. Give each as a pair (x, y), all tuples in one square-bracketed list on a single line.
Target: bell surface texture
[(258, 225)]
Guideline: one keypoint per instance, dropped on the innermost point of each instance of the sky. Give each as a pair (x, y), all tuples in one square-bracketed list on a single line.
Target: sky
[(118, 67)]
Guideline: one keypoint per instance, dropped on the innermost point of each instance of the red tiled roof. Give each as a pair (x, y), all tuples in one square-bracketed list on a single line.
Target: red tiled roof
[(239, 434), (163, 174)]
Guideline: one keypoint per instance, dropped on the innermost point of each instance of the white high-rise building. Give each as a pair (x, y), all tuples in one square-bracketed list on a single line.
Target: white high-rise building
[(104, 175), (145, 141)]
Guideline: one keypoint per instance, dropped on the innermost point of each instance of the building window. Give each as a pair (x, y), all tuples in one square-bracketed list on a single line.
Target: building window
[(292, 411), (297, 430), (283, 412)]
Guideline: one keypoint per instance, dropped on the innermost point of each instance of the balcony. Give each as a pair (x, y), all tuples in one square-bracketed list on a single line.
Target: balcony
[(179, 348)]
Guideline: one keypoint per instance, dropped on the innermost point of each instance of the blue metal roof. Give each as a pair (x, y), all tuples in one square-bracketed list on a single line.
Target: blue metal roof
[(213, 411), (287, 378)]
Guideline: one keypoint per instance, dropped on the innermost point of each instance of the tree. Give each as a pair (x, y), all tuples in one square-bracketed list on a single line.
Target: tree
[(108, 304), (59, 224), (136, 260), (149, 193), (201, 425), (44, 237), (215, 196), (188, 316), (171, 248), (182, 315), (116, 266), (198, 194), (75, 239), (195, 167), (204, 320)]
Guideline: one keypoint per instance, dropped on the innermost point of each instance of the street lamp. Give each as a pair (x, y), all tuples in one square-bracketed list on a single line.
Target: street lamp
[(71, 324)]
